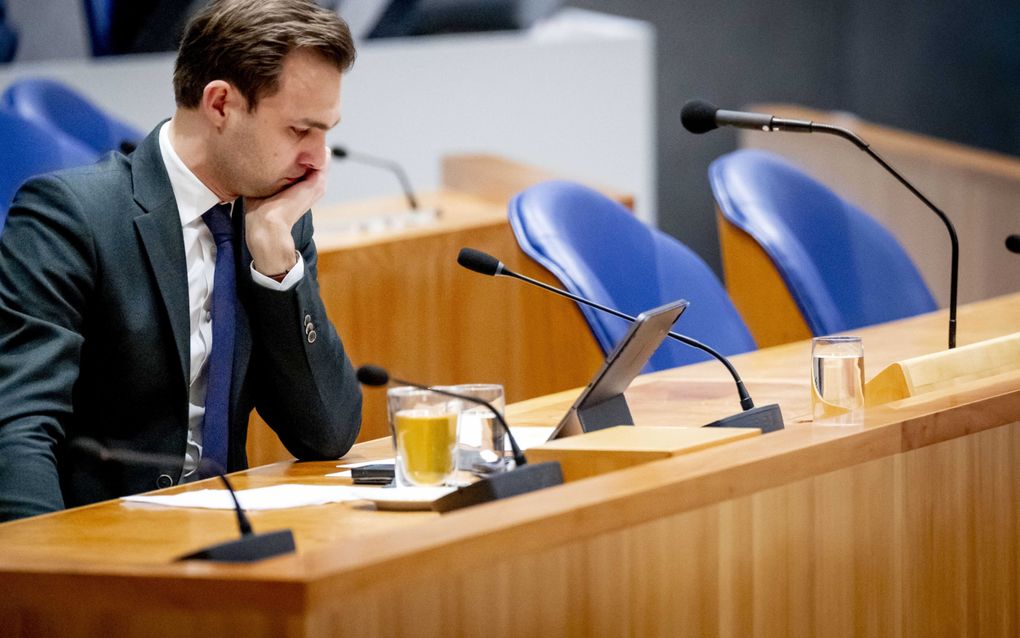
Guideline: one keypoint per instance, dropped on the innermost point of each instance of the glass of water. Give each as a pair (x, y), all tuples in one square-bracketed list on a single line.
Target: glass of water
[(480, 439), (837, 380)]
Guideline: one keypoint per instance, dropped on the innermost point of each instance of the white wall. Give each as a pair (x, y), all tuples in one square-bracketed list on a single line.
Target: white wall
[(574, 94)]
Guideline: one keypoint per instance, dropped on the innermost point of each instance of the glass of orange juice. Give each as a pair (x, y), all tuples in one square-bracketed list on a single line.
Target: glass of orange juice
[(424, 428)]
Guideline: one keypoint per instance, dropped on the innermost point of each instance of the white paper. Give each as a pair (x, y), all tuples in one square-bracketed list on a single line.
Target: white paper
[(364, 463), (291, 495), (401, 494), (260, 498)]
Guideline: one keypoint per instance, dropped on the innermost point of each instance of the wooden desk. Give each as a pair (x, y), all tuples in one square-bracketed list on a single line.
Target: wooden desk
[(909, 525)]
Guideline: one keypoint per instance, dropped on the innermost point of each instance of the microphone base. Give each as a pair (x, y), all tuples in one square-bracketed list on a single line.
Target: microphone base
[(521, 480), (247, 549), (768, 418)]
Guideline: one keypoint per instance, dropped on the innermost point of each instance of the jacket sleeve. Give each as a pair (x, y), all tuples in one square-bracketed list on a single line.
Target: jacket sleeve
[(46, 265), (305, 385)]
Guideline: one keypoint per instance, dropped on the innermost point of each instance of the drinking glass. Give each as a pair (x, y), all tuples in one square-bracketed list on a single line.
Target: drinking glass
[(837, 380), (424, 428), (480, 438)]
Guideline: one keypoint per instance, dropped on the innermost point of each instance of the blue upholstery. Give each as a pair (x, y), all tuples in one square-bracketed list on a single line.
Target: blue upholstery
[(8, 37), (27, 150), (599, 250), (99, 14), (842, 267), (71, 118)]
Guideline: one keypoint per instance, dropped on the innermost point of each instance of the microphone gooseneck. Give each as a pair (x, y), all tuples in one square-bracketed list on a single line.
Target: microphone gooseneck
[(377, 376), (486, 264), (340, 152), (250, 547), (699, 116), (522, 479)]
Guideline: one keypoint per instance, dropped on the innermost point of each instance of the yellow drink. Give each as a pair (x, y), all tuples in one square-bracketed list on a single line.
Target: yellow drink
[(426, 442)]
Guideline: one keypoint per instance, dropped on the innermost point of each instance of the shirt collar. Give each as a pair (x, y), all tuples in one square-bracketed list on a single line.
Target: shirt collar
[(193, 197)]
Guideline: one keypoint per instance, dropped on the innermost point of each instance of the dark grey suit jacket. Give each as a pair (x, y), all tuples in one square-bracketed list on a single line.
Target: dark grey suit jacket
[(94, 340)]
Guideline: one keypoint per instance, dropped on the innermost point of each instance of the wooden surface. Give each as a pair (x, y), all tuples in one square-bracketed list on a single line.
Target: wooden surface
[(906, 526), (943, 370), (603, 451), (977, 189), (399, 299)]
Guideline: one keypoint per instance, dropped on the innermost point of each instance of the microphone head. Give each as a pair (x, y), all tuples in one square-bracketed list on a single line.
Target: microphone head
[(339, 152), (1013, 243), (698, 116), (373, 375), (479, 262)]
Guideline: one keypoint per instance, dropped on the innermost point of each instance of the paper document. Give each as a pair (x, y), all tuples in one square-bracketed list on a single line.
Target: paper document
[(287, 496)]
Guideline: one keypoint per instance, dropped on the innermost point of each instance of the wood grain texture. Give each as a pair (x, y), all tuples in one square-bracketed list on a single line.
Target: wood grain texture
[(906, 526)]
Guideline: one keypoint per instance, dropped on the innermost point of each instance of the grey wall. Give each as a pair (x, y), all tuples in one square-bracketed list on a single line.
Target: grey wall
[(942, 67)]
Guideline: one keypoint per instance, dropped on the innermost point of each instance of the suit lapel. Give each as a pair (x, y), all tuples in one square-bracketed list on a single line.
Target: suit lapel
[(159, 228)]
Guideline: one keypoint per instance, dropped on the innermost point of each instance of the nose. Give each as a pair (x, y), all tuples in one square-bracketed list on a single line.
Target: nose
[(315, 155)]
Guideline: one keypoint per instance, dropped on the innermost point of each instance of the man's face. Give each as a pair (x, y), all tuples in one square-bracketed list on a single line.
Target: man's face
[(264, 151)]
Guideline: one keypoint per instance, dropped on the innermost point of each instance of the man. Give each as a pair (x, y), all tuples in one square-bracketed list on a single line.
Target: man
[(150, 301)]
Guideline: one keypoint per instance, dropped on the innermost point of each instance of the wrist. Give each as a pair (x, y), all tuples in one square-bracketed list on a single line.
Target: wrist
[(272, 256), (276, 275)]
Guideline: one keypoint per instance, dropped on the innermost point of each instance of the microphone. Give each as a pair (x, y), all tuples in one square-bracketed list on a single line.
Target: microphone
[(699, 116), (249, 548), (1013, 243), (767, 417), (340, 152), (520, 480)]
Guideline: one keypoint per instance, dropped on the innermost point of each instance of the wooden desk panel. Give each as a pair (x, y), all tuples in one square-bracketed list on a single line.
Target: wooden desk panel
[(908, 525)]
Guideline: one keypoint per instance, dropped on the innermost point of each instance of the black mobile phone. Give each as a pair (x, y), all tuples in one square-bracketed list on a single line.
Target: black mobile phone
[(376, 474)]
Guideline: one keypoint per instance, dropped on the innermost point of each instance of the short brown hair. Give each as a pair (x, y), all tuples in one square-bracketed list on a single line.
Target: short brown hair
[(244, 42)]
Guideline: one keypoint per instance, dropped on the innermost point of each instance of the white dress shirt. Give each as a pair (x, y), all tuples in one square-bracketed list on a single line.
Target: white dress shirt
[(193, 200)]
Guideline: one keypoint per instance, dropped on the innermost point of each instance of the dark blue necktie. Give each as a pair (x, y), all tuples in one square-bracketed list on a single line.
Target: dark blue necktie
[(221, 359)]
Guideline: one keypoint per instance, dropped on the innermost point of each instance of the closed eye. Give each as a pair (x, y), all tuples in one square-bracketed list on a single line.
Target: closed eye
[(299, 132)]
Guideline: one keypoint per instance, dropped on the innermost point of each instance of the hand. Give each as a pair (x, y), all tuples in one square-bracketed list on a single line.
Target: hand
[(269, 220)]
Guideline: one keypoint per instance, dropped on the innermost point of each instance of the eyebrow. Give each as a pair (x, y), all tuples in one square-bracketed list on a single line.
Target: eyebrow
[(317, 124)]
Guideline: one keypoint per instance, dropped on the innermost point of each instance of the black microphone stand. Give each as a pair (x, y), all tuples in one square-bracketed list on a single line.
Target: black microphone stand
[(339, 152), (768, 418), (854, 139), (250, 547)]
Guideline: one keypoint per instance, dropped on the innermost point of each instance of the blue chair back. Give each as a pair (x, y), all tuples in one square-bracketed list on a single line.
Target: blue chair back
[(600, 251), (843, 269), (71, 118), (99, 15), (8, 37), (27, 150)]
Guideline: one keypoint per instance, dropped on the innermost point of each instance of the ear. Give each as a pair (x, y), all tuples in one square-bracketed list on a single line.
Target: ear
[(219, 100)]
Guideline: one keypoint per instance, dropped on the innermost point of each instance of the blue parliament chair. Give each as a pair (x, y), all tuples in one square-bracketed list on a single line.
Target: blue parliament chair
[(99, 15), (842, 268), (27, 150), (8, 37), (599, 250), (71, 118)]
